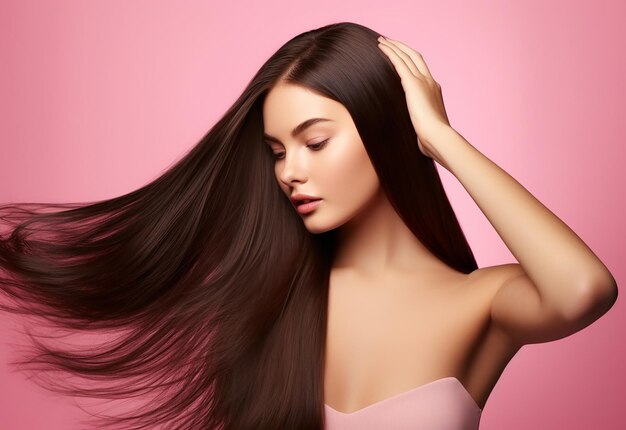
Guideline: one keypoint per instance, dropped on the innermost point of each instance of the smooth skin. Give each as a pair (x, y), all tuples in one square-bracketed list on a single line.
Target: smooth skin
[(398, 317), (560, 285)]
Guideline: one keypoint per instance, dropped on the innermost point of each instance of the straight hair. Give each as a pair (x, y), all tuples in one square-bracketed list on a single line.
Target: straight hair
[(211, 291)]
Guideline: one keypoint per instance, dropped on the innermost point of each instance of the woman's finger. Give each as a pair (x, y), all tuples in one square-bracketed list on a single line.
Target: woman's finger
[(415, 56), (403, 56), (406, 75)]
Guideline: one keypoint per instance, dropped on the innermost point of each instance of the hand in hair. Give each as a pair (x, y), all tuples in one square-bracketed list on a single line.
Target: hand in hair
[(423, 93)]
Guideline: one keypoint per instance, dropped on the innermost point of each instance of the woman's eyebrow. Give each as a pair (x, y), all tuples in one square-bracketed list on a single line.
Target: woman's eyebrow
[(298, 129)]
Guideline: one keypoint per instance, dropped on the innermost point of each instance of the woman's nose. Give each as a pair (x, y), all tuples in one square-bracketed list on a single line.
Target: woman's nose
[(293, 169)]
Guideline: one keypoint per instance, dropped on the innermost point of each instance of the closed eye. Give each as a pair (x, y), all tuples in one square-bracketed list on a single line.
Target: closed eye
[(315, 147)]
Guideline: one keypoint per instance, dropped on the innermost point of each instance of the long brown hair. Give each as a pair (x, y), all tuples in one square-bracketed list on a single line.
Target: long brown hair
[(213, 293)]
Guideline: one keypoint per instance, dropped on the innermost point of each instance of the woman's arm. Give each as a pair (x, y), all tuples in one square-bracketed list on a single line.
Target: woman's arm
[(561, 285)]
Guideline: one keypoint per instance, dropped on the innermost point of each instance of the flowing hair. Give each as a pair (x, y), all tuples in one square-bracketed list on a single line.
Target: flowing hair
[(211, 292)]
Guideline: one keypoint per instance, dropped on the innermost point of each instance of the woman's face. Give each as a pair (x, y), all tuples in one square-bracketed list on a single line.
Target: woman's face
[(326, 160)]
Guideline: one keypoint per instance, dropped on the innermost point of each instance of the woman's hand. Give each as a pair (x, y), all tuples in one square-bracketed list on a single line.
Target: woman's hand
[(423, 94)]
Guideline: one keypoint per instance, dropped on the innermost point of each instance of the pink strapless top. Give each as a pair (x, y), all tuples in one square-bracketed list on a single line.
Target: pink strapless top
[(443, 404)]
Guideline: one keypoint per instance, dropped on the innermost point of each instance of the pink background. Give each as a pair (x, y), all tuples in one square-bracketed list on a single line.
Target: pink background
[(99, 97)]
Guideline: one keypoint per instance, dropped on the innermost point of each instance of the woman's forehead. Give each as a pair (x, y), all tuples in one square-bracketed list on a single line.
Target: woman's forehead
[(288, 106)]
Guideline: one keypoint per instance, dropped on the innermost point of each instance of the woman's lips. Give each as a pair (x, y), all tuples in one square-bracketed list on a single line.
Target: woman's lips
[(305, 208)]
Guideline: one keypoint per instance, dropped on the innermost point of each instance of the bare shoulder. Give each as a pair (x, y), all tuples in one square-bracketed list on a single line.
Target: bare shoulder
[(492, 277), (516, 309), (483, 283), (483, 286)]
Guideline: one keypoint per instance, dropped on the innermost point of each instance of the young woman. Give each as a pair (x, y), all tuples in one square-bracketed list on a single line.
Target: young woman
[(301, 267)]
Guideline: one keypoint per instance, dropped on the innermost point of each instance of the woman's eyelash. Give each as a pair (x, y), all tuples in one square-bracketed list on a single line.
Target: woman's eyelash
[(319, 145), (315, 146)]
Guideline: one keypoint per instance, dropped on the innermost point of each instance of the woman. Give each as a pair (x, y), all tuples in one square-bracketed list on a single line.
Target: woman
[(241, 303)]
